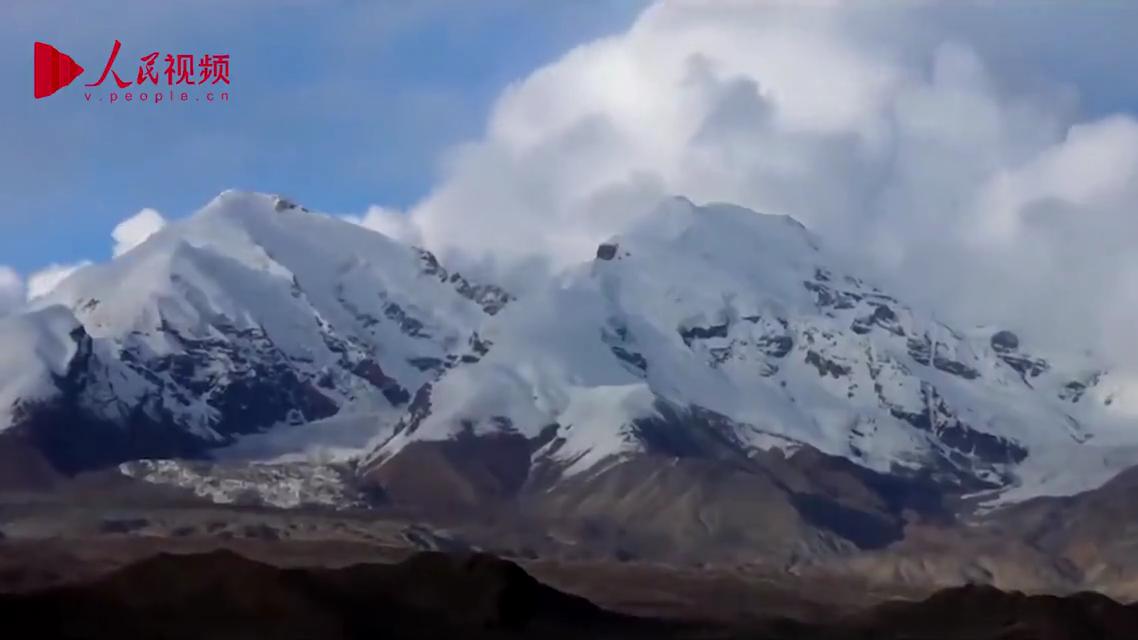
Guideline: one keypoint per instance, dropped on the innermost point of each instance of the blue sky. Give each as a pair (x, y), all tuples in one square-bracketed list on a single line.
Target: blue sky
[(340, 105)]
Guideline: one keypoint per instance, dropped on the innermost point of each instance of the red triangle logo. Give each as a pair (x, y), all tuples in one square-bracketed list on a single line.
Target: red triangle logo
[(53, 70)]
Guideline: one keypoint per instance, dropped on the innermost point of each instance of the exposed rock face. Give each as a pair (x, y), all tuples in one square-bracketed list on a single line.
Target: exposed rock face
[(1092, 535), (465, 474), (490, 297), (695, 496), (1005, 341)]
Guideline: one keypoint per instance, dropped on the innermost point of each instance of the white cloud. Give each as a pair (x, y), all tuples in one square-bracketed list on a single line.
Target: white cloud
[(389, 222), (133, 231), (11, 290), (45, 280), (978, 189), (127, 234)]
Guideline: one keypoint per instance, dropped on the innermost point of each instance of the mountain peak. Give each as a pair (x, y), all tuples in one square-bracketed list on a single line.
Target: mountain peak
[(718, 317), (728, 231), (701, 328), (254, 313), (236, 202)]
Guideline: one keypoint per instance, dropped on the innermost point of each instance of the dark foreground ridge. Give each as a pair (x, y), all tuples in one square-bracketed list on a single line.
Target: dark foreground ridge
[(225, 595), (436, 595)]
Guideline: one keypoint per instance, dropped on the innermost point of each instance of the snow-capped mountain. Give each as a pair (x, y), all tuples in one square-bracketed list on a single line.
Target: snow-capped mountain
[(251, 314), (256, 329), (708, 331)]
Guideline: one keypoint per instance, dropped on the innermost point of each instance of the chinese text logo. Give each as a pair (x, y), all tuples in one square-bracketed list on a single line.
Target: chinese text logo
[(55, 70)]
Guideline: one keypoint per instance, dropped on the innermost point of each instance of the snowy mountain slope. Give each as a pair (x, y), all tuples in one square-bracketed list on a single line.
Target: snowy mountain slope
[(256, 330), (255, 313), (741, 323), (38, 349)]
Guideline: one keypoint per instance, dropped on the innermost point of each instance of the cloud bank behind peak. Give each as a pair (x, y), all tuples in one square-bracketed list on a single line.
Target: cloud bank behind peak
[(975, 184)]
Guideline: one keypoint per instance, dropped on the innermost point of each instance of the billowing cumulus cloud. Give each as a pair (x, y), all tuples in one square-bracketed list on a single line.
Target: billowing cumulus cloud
[(391, 223), (133, 231), (977, 191), (11, 290), (45, 280)]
